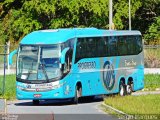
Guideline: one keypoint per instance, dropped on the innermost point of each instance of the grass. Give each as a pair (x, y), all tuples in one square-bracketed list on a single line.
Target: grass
[(152, 81), (10, 88), (136, 105)]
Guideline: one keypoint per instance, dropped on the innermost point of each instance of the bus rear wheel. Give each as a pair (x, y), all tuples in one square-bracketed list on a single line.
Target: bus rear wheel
[(122, 89), (129, 88), (35, 102)]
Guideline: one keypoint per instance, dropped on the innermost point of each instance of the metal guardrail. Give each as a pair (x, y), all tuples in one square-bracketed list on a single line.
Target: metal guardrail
[(151, 46)]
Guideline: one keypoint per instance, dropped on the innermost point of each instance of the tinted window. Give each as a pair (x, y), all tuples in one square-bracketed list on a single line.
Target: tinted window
[(108, 46), (131, 44), (112, 46), (91, 47), (69, 43)]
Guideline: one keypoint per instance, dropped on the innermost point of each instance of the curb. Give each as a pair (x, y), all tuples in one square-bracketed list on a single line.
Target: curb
[(146, 93), (114, 109), (125, 115)]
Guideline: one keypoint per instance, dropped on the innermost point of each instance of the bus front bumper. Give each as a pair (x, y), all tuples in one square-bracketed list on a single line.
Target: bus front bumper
[(53, 94), (23, 92)]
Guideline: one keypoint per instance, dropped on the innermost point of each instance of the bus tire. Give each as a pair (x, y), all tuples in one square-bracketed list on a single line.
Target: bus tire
[(104, 96), (35, 102), (122, 89), (78, 93), (129, 89), (90, 98)]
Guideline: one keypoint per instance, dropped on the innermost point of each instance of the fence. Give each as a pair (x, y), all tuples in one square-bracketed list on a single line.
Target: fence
[(152, 56), (151, 46), (4, 64), (3, 55), (7, 49)]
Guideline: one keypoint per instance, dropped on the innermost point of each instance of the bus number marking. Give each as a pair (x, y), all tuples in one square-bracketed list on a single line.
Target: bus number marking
[(87, 65)]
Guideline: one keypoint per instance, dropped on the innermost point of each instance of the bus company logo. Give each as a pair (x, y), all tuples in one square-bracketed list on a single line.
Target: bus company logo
[(108, 75), (28, 86), (37, 90), (130, 63)]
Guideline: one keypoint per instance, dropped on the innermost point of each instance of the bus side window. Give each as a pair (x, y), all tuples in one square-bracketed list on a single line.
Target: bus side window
[(99, 47), (79, 49), (112, 46), (138, 44), (105, 47), (122, 46), (130, 45), (91, 47)]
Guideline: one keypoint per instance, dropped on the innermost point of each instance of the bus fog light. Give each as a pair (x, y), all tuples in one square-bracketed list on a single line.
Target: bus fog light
[(19, 95), (56, 94), (20, 87), (58, 85)]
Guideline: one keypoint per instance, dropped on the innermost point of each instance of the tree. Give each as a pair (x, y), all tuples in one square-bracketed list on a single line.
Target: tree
[(121, 15), (146, 14), (20, 17), (153, 34)]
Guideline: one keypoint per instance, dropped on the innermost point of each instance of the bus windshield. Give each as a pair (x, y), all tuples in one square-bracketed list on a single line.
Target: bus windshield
[(38, 62)]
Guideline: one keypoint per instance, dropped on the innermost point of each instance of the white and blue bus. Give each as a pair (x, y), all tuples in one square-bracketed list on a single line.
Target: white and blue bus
[(78, 62)]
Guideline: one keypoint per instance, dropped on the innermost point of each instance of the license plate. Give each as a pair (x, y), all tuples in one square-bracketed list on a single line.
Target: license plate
[(37, 95)]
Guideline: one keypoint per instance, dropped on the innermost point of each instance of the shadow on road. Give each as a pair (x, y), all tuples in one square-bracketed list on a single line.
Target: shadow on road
[(60, 102)]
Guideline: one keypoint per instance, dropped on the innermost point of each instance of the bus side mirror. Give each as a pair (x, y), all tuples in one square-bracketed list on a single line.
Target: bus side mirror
[(63, 55), (11, 56), (63, 60)]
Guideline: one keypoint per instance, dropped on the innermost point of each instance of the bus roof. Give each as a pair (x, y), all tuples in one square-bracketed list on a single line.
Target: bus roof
[(54, 36)]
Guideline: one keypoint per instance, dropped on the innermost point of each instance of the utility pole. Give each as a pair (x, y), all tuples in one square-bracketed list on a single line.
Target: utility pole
[(110, 14), (4, 70), (8, 48), (129, 15)]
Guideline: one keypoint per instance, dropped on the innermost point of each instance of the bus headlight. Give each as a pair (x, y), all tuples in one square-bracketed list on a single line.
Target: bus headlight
[(58, 85), (19, 87)]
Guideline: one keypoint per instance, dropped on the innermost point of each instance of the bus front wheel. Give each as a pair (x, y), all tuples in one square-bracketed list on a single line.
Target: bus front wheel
[(78, 93), (35, 102)]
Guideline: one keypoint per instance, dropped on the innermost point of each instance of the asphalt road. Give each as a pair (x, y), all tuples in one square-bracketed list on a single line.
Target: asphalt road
[(57, 110)]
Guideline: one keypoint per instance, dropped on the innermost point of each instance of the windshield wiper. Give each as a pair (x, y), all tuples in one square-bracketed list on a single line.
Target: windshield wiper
[(30, 70), (44, 71)]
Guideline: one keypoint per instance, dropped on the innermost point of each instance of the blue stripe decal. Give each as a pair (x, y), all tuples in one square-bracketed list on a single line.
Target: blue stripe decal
[(117, 63)]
